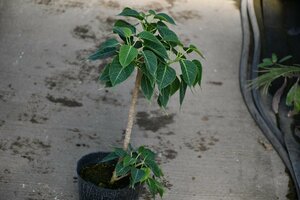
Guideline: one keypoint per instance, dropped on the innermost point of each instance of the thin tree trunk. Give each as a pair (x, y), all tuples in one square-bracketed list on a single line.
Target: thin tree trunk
[(131, 114)]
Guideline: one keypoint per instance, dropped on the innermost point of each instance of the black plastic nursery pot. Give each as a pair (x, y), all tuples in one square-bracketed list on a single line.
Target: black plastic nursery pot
[(91, 191)]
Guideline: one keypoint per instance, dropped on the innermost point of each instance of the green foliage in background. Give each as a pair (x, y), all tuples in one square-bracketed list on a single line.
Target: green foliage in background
[(272, 69)]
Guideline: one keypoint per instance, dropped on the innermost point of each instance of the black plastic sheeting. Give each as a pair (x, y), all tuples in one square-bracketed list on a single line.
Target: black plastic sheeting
[(271, 26)]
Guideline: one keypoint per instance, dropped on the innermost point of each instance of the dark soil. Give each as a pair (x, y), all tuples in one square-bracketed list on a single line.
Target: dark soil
[(64, 101), (100, 175)]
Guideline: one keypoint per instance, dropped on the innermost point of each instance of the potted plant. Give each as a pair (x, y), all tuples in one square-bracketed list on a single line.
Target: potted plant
[(272, 69), (152, 52)]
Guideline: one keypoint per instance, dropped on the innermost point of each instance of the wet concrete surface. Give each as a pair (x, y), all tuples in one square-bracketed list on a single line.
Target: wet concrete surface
[(53, 110)]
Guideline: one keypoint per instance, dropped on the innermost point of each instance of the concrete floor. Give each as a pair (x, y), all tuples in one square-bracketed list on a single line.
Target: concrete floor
[(53, 111)]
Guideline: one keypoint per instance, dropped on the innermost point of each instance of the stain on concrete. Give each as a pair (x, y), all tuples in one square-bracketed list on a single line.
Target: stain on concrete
[(6, 95), (2, 122), (35, 119), (170, 154), (84, 32), (111, 4), (154, 120), (43, 2), (167, 133), (155, 5), (35, 151), (64, 101), (201, 144), (205, 118), (218, 83), (182, 16)]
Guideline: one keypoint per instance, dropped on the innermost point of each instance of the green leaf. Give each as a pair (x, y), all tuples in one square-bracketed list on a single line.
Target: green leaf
[(120, 152), (267, 62), (182, 90), (293, 97), (189, 71), (175, 86), (195, 49), (274, 58), (146, 153), (150, 61), (146, 35), (109, 43), (123, 31), (128, 160), (164, 97), (152, 12), (122, 170), (109, 157), (103, 53), (158, 49), (128, 12), (137, 175), (147, 174), (117, 73), (122, 23), (155, 187), (165, 17), (165, 76), (104, 77), (147, 73), (154, 167), (127, 54), (285, 59), (167, 34), (199, 72), (147, 87)]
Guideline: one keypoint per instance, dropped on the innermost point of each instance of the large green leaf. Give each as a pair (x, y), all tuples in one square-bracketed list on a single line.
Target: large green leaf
[(109, 43), (164, 97), (146, 35), (122, 170), (127, 54), (105, 74), (293, 97), (175, 85), (128, 12), (158, 49), (120, 152), (122, 23), (182, 90), (167, 34), (165, 76), (154, 167), (128, 160), (189, 71), (137, 175), (146, 153), (195, 49), (155, 187), (103, 53), (117, 73), (150, 61), (199, 72), (147, 73), (147, 87), (165, 17), (123, 31), (109, 157)]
